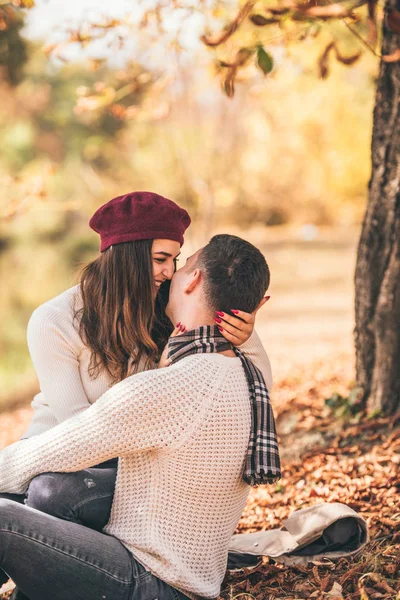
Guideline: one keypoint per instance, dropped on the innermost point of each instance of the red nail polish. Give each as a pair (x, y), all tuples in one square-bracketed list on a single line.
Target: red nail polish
[(220, 314), (217, 320), (268, 297), (178, 324), (220, 328), (235, 312)]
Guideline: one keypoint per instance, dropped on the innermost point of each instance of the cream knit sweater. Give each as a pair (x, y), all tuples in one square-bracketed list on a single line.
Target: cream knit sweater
[(61, 361), (181, 435)]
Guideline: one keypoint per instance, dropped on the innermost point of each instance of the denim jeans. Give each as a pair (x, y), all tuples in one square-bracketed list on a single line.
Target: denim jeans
[(83, 497), (47, 557)]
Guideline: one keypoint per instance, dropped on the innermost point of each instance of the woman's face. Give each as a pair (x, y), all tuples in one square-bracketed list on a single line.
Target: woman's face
[(164, 255)]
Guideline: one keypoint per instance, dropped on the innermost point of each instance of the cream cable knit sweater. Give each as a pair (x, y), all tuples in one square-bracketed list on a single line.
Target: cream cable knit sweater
[(61, 361), (181, 435)]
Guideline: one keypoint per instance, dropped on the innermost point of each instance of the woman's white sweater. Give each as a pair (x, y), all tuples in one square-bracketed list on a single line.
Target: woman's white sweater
[(181, 435), (61, 361)]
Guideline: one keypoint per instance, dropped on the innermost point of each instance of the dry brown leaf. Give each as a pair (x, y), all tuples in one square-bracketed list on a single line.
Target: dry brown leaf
[(230, 28), (336, 11), (323, 61), (347, 60), (390, 58)]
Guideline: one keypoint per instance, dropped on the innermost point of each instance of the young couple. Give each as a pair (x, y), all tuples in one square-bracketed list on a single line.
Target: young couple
[(130, 480)]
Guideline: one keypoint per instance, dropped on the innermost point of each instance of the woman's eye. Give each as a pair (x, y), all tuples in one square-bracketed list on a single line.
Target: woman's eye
[(160, 260)]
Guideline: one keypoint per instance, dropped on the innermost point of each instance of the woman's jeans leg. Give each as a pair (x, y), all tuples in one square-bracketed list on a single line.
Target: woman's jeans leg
[(83, 497), (51, 558), (20, 498)]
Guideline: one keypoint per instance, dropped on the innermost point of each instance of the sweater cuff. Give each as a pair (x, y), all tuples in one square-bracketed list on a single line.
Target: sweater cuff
[(252, 345)]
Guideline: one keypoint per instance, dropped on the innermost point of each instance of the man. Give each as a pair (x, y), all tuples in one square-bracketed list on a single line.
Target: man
[(185, 460)]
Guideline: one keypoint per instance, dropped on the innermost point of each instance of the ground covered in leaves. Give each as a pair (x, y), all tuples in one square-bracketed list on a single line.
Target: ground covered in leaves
[(330, 453)]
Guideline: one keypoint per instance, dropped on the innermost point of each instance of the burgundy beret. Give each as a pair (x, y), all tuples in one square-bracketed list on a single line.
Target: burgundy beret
[(139, 216)]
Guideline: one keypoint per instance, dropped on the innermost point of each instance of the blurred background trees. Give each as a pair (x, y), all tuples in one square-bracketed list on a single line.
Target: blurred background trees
[(289, 152)]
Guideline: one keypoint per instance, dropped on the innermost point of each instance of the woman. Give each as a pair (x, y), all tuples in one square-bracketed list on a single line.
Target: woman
[(110, 326)]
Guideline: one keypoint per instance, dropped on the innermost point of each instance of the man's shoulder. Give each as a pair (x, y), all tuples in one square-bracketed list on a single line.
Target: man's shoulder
[(193, 370)]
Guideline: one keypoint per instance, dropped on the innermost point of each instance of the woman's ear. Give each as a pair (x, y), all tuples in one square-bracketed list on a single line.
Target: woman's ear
[(193, 282)]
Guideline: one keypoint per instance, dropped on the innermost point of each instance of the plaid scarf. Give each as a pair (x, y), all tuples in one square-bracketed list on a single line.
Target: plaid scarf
[(262, 461)]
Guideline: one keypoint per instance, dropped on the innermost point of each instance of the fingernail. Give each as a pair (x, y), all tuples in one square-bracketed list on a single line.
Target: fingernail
[(220, 328), (268, 297), (178, 324), (220, 314), (217, 320), (235, 312)]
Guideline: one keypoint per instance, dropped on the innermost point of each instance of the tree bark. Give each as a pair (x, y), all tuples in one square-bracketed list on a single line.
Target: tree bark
[(377, 277)]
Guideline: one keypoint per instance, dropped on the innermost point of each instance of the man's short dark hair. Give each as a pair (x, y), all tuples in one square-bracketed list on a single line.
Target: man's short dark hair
[(236, 273)]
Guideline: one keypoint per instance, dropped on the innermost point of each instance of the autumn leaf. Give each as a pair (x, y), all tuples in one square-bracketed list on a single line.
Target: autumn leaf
[(264, 60), (391, 58), (230, 28), (323, 61), (261, 21), (228, 84), (347, 60), (278, 10), (336, 11), (243, 56)]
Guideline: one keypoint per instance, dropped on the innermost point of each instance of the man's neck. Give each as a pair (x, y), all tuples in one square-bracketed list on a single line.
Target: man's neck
[(199, 318), (193, 320)]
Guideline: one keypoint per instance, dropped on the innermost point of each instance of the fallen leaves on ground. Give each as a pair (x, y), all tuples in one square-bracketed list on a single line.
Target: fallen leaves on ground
[(327, 460)]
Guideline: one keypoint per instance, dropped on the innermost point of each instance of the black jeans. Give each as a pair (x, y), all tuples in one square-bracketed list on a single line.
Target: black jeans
[(76, 506)]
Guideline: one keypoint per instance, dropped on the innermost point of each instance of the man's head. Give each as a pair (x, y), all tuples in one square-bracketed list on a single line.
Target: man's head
[(227, 273)]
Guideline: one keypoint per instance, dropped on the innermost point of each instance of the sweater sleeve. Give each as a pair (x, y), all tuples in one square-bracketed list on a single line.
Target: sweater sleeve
[(254, 350), (148, 411), (54, 348)]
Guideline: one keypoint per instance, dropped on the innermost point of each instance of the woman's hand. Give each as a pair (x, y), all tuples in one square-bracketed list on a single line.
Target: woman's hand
[(164, 361), (239, 328)]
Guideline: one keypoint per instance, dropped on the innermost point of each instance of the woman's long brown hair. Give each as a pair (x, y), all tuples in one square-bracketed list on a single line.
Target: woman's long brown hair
[(120, 320)]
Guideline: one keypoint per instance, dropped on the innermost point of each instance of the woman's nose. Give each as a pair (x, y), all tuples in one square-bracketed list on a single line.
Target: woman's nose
[(169, 271)]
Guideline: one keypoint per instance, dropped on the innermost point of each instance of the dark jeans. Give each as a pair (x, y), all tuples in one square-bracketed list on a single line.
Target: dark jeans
[(48, 557), (84, 499)]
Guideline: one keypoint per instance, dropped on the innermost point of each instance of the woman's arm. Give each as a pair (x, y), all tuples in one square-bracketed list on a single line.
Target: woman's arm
[(54, 346), (146, 411), (239, 330)]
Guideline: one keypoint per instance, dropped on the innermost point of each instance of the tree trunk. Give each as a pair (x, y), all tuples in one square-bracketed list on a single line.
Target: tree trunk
[(377, 277)]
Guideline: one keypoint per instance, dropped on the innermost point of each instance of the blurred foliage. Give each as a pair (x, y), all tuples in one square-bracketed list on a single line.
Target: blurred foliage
[(288, 149), (13, 52), (243, 34), (348, 408), (248, 38)]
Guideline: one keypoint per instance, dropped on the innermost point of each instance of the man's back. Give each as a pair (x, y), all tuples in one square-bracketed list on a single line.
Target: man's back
[(177, 508)]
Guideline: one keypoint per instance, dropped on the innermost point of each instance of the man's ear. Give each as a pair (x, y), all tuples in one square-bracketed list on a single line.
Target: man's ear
[(194, 282)]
